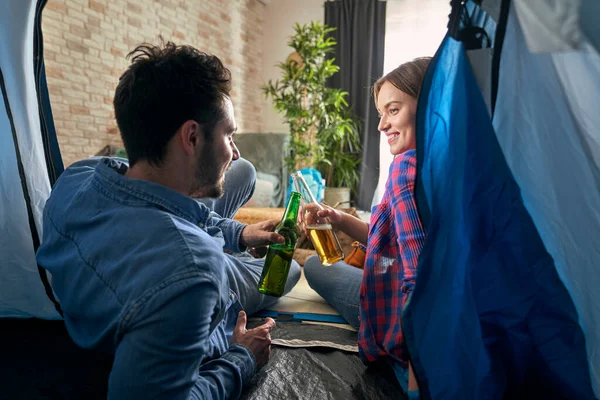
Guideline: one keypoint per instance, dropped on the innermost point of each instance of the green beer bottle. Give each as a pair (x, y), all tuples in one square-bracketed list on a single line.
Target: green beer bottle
[(279, 257)]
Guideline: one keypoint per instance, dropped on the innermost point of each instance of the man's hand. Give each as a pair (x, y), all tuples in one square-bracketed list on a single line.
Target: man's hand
[(258, 339), (260, 234)]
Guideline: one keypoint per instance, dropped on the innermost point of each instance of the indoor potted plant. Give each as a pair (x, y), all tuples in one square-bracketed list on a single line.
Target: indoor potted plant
[(323, 130)]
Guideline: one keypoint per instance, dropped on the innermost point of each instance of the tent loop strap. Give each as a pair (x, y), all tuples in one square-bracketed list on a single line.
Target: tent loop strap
[(461, 27), (454, 19)]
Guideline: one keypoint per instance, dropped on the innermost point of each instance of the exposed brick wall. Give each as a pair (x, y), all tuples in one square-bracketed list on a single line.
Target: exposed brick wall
[(85, 43)]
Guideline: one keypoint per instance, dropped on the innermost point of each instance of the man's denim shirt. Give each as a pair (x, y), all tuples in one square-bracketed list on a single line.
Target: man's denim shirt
[(139, 272)]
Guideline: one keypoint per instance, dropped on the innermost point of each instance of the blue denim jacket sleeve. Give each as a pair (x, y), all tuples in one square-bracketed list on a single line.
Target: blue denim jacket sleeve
[(232, 231), (165, 337)]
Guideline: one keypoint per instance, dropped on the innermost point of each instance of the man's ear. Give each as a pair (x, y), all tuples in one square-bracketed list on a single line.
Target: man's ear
[(191, 137)]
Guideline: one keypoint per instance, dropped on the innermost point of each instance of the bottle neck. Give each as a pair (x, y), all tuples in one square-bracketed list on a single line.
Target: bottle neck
[(303, 188), (293, 206)]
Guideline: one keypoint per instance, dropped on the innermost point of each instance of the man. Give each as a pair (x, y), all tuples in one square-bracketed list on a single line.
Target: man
[(138, 264)]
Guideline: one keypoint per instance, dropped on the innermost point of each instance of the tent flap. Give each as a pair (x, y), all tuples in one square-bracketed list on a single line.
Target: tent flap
[(549, 25), (488, 299), (590, 11), (547, 122), (24, 174)]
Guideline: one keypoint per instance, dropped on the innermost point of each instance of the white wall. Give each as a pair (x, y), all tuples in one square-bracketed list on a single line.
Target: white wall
[(280, 18), (413, 28)]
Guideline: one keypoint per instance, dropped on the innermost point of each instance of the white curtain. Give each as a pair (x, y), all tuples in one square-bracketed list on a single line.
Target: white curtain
[(413, 28)]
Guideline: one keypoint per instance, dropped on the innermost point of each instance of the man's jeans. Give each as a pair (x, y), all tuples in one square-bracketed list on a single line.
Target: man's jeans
[(240, 181)]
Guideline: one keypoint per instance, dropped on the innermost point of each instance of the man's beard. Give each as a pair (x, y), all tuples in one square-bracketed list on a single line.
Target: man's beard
[(209, 180), (214, 191), (209, 176)]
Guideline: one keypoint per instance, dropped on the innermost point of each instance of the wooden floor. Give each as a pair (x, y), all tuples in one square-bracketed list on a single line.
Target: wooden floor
[(302, 299)]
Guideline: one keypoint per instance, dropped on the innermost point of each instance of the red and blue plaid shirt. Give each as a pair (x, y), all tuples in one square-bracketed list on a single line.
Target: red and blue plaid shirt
[(396, 238)]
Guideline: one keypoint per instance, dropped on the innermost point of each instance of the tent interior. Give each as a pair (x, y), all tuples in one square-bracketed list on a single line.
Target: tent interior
[(506, 303)]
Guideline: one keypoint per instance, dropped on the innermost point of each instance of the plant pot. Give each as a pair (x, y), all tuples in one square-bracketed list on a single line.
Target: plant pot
[(335, 196)]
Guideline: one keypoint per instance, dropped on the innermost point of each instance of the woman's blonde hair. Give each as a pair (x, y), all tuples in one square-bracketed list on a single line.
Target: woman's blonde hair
[(408, 77)]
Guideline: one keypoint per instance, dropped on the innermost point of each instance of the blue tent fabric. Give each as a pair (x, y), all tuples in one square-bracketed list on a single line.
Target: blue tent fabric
[(489, 317)]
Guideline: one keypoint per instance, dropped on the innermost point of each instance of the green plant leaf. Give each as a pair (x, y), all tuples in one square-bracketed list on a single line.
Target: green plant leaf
[(323, 131)]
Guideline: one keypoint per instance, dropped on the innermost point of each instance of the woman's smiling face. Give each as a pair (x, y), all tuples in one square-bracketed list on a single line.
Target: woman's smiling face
[(397, 111)]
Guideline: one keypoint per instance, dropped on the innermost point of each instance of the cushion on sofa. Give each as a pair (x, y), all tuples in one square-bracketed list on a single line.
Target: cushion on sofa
[(267, 152)]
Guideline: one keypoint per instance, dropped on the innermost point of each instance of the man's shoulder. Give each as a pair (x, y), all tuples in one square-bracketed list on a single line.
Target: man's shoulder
[(111, 232), (71, 183), (79, 169)]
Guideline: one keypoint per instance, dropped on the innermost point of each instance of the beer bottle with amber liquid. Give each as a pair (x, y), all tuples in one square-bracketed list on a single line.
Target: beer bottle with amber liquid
[(318, 229), (280, 255)]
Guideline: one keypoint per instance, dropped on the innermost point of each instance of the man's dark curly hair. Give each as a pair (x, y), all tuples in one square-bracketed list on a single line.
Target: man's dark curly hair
[(164, 86)]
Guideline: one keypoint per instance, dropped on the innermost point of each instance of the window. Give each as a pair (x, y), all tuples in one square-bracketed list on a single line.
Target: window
[(414, 28)]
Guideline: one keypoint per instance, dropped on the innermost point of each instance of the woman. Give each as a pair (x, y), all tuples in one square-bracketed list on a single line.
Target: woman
[(372, 300)]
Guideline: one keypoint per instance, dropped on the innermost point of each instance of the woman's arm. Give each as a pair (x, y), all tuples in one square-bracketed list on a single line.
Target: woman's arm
[(354, 227), (410, 234)]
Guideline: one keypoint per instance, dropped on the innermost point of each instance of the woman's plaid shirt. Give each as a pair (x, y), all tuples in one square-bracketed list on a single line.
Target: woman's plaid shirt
[(396, 238)]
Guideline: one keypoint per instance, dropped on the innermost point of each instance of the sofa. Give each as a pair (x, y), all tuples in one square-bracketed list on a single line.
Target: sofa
[(267, 151)]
